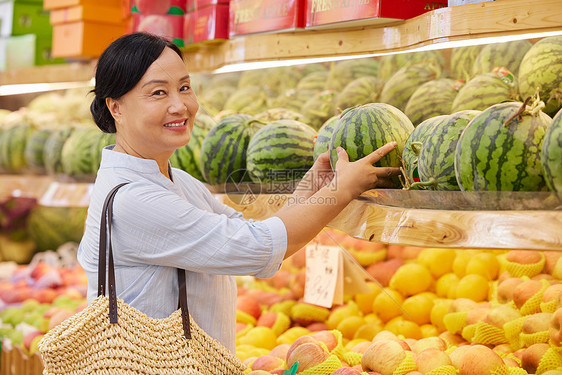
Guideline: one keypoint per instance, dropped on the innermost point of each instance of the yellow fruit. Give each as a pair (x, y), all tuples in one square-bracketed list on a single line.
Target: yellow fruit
[(429, 330), (438, 261), (337, 315), (388, 304), (243, 317), (406, 328), (446, 285), (349, 325), (354, 342), (284, 307), (411, 278), (373, 319), (461, 261), (367, 331), (440, 308), (484, 264), (474, 287), (365, 301), (260, 337), (418, 308), (290, 335)]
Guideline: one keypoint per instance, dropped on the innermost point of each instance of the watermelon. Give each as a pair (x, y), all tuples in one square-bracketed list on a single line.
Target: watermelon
[(363, 129), (413, 146), (77, 154), (250, 78), (274, 114), (102, 140), (319, 108), (324, 137), (51, 227), (497, 155), (314, 81), (12, 148), (343, 72), (281, 151), (362, 90), (188, 157), (34, 150), (398, 89), (484, 91), (542, 68), (212, 100), (223, 152), (224, 80), (551, 155), (52, 152), (436, 160), (292, 99), (508, 55), (281, 79), (390, 64), (462, 60), (248, 100), (432, 99)]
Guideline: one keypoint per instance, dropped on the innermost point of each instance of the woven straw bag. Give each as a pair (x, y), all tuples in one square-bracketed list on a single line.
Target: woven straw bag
[(126, 341)]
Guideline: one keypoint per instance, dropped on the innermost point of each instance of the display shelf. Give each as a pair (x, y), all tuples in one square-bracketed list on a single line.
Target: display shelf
[(471, 21)]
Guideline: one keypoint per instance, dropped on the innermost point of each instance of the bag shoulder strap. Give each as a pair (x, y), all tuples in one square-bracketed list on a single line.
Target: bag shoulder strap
[(105, 239)]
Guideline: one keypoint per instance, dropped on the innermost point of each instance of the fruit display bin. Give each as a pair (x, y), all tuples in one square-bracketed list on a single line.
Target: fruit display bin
[(15, 362)]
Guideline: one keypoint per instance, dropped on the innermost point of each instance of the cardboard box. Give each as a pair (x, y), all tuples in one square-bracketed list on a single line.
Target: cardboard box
[(337, 13), (87, 13), (259, 16), (209, 24), (55, 4), (84, 39), (169, 26), (19, 18), (44, 52)]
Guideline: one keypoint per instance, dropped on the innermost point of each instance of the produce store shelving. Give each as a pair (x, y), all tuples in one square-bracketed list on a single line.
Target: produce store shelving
[(370, 217)]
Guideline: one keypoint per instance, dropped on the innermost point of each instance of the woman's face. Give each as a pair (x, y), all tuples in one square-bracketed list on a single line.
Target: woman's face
[(156, 117)]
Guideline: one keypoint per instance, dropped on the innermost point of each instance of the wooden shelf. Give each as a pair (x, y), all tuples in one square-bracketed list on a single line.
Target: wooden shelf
[(472, 21)]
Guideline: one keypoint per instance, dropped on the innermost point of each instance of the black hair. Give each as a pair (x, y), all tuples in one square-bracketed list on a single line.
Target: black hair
[(119, 69)]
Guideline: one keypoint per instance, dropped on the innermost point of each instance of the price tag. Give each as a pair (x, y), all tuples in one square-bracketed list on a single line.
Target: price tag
[(67, 195), (324, 275)]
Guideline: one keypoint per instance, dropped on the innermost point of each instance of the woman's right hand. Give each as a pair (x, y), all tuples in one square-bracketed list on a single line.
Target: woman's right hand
[(359, 176)]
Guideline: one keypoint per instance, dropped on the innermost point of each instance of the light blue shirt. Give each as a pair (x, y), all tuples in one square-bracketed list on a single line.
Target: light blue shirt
[(160, 225)]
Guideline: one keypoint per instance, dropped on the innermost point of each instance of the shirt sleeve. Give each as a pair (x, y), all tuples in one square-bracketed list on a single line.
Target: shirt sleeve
[(156, 226)]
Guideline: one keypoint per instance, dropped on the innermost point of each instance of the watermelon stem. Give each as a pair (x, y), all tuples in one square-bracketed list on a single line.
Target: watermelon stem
[(518, 114), (431, 183), (416, 147)]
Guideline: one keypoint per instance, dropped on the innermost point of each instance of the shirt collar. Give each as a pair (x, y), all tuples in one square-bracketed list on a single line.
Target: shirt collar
[(110, 159)]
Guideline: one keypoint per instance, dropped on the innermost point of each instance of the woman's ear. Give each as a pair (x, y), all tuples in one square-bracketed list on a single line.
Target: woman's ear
[(113, 106)]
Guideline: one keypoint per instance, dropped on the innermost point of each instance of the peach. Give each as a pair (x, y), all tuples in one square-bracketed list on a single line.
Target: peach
[(297, 284), (346, 371), (327, 337), (544, 276), (383, 356), (551, 259), (499, 315), (28, 339), (430, 359), (280, 280), (361, 347), (300, 341), (525, 290), (46, 295), (479, 360), (308, 355), (462, 304), (428, 343), (555, 329), (523, 256), (506, 287), (452, 339), (249, 305), (457, 354), (384, 270), (280, 351), (503, 348), (59, 317), (476, 315), (537, 323), (267, 363), (510, 362), (403, 252), (532, 357), (553, 293), (267, 319), (317, 326)]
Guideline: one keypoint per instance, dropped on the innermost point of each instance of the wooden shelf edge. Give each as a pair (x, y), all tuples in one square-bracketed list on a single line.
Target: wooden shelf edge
[(70, 72)]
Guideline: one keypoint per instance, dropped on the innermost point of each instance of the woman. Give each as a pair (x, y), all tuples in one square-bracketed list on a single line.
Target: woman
[(165, 219)]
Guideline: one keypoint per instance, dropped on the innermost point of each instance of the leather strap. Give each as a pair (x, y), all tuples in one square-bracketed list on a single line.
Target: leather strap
[(105, 238)]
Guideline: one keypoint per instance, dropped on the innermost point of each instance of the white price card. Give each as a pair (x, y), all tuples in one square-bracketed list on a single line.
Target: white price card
[(324, 275), (67, 195)]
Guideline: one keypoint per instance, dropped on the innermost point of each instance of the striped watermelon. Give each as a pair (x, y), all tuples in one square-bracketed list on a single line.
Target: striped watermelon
[(102, 140), (493, 155), (280, 151), (248, 100), (551, 155), (462, 60), (390, 64), (34, 150), (398, 89), (437, 156), (52, 152), (77, 153), (12, 148), (319, 108), (432, 99), (343, 72), (363, 129), (508, 55), (484, 91), (250, 78), (292, 99), (188, 157), (274, 114), (362, 90), (542, 67), (224, 80), (324, 137), (413, 146), (314, 81), (223, 152), (212, 100)]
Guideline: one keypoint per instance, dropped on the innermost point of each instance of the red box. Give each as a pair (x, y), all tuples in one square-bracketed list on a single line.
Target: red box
[(169, 26), (206, 24), (176, 7), (361, 12), (258, 16)]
